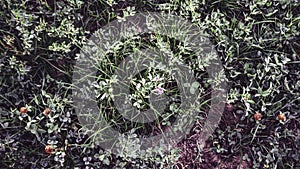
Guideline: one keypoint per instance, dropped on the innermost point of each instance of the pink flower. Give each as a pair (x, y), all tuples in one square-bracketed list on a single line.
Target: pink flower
[(157, 78), (159, 91)]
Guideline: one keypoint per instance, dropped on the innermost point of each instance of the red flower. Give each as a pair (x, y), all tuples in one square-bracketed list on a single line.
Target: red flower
[(47, 111), (49, 149), (257, 116), (23, 110), (281, 117)]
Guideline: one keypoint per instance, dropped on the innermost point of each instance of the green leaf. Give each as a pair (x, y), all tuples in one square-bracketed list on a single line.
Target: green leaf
[(192, 90), (186, 85), (195, 84)]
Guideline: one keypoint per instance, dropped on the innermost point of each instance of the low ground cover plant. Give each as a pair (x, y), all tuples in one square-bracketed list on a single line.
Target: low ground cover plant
[(258, 43)]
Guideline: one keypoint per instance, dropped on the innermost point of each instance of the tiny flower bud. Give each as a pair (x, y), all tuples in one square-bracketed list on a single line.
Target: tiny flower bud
[(257, 116), (49, 149), (281, 117), (47, 111), (23, 110)]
